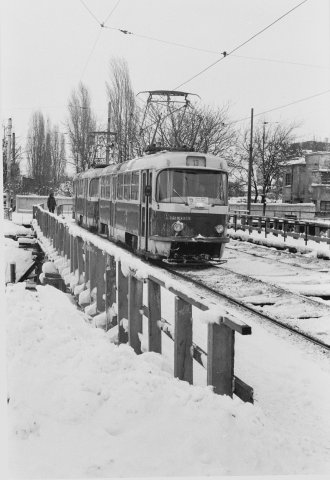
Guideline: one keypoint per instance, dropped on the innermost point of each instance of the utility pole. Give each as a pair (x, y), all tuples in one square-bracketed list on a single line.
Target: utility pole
[(9, 160), (107, 134), (263, 167), (250, 165)]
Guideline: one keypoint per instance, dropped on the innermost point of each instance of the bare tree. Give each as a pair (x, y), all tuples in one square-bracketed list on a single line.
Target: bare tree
[(45, 154), (208, 130), (80, 124), (11, 179), (203, 129), (38, 169), (124, 119), (271, 149), (58, 156)]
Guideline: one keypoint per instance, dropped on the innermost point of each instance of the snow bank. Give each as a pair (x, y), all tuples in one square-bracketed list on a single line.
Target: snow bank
[(11, 229), (13, 254), (83, 407), (49, 267), (320, 250)]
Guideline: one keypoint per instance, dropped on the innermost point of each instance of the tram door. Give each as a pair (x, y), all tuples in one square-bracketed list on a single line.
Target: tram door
[(146, 183)]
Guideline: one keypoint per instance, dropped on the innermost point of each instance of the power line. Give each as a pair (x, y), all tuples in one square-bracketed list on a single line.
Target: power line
[(283, 106), (91, 53), (91, 13), (160, 40), (114, 8), (99, 34), (281, 61), (226, 54), (216, 52)]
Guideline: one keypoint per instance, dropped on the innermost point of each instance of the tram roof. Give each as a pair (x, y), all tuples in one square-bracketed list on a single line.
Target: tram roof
[(157, 160)]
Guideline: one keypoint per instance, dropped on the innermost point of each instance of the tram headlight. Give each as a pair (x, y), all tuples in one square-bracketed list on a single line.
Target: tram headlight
[(178, 226), (219, 228)]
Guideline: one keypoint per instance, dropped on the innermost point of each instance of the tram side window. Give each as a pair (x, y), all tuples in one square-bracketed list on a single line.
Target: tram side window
[(144, 183), (127, 185), (94, 187), (120, 186), (135, 186), (107, 186), (113, 187), (102, 194), (81, 188)]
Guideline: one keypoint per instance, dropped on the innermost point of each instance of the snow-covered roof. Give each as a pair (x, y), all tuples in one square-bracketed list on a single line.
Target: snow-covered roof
[(309, 154), (297, 161)]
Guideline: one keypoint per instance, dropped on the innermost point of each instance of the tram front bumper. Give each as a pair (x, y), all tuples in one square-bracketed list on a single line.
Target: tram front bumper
[(198, 238)]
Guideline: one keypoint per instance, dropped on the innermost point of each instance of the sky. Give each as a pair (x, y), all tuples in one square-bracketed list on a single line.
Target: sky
[(48, 47)]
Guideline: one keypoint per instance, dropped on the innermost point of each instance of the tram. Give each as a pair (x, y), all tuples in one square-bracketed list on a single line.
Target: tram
[(168, 205)]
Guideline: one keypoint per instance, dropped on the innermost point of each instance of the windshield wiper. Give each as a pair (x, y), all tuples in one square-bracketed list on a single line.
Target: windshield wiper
[(178, 194)]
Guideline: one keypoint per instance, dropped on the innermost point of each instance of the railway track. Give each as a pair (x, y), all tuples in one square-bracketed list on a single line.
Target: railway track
[(282, 256), (205, 279)]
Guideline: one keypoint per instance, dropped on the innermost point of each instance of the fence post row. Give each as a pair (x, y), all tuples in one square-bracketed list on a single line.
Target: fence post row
[(110, 292), (101, 271), (183, 360), (135, 301), (100, 282), (122, 305), (220, 358), (286, 227), (154, 309)]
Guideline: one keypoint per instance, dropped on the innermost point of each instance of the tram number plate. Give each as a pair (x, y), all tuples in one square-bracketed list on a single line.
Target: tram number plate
[(192, 201)]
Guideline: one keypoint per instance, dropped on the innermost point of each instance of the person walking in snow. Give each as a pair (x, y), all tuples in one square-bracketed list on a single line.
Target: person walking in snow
[(51, 203)]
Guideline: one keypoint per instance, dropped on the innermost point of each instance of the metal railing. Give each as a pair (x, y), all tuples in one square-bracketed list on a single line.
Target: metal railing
[(285, 227)]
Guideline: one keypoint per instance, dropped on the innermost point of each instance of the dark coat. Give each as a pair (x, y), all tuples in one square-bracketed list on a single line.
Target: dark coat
[(51, 203)]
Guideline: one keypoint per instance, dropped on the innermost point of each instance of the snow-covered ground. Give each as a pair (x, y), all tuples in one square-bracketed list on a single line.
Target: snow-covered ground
[(21, 218), (81, 406), (11, 251)]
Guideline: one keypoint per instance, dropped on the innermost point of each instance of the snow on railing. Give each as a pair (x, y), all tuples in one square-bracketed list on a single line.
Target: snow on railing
[(109, 282), (286, 227)]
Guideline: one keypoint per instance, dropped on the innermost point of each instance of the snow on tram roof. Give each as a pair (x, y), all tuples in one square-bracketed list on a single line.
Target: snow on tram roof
[(164, 158)]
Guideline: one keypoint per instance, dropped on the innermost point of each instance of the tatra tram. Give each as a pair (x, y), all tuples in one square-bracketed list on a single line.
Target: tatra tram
[(170, 204)]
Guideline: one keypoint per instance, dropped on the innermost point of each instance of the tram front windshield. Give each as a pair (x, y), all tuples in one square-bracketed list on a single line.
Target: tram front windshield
[(192, 186)]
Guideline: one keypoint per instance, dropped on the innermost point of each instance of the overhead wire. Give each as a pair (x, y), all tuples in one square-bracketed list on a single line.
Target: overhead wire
[(215, 52), (91, 13), (99, 34), (160, 40), (281, 61), (91, 52), (110, 14), (226, 54), (282, 106)]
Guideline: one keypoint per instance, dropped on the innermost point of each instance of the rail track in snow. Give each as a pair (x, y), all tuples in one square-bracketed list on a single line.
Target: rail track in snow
[(208, 279), (283, 256)]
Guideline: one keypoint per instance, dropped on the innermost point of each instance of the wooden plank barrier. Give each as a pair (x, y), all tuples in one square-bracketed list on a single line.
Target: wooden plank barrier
[(110, 292), (183, 360), (122, 305), (100, 281), (122, 290), (135, 300)]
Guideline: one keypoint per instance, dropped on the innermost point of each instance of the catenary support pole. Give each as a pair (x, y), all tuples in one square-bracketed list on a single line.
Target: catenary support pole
[(250, 165)]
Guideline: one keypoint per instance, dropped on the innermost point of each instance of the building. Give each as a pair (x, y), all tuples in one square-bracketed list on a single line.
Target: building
[(307, 179)]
